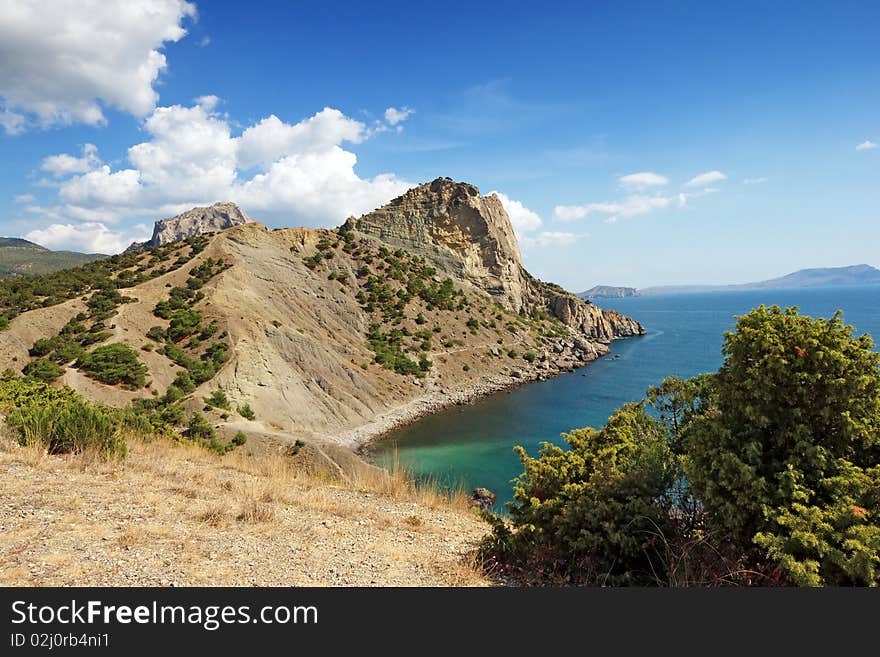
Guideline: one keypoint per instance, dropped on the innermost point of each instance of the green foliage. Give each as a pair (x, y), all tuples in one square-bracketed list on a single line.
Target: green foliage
[(767, 472), (23, 294), (218, 399), (43, 370), (114, 364), (239, 439), (184, 322), (199, 428), (61, 420), (529, 356), (388, 351), (247, 412), (596, 513), (787, 456)]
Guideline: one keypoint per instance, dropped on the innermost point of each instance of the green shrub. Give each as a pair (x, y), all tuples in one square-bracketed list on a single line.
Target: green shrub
[(529, 356), (60, 419), (114, 364), (200, 428), (595, 513), (218, 399), (787, 455), (247, 412), (42, 369), (239, 439), (156, 333)]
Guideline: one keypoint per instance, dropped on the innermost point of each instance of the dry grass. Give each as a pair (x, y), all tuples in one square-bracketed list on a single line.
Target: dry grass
[(189, 516)]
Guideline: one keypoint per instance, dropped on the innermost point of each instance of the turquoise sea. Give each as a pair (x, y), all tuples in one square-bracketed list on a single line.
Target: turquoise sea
[(472, 445)]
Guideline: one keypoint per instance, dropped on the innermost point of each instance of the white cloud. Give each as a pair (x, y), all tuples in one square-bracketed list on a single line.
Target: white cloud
[(643, 180), (191, 157), (550, 238), (24, 198), (755, 181), (64, 61), (867, 145), (394, 116), (90, 237), (704, 179), (64, 164), (271, 138), (523, 219), (632, 206)]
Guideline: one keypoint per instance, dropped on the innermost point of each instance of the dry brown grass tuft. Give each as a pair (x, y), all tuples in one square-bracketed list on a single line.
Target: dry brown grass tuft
[(213, 516), (255, 511)]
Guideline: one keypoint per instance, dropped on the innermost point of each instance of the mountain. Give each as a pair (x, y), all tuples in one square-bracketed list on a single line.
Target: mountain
[(817, 277), (198, 221), (608, 292), (20, 257), (329, 336)]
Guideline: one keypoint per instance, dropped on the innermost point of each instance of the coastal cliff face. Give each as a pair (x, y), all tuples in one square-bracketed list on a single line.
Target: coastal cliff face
[(459, 231), (198, 221), (470, 236)]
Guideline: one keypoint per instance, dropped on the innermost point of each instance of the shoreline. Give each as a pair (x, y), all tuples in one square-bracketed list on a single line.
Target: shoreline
[(360, 439)]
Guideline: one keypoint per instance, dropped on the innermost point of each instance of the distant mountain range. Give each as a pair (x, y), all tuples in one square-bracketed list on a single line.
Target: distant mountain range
[(818, 277), (20, 257)]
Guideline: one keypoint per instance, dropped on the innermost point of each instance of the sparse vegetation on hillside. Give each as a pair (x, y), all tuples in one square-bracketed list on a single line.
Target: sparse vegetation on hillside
[(124, 270)]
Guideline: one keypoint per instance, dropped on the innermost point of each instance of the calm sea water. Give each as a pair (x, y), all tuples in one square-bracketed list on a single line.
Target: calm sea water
[(472, 445)]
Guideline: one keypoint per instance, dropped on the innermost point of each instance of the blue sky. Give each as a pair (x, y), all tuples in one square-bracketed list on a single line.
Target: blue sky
[(633, 143)]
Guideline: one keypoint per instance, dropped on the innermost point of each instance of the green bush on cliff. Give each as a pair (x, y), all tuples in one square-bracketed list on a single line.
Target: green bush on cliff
[(114, 364)]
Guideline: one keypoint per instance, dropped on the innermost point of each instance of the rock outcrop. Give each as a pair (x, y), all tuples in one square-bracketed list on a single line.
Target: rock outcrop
[(198, 221), (462, 233), (470, 236)]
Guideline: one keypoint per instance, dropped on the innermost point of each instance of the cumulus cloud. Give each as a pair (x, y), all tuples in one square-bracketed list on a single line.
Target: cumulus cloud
[(394, 115), (24, 198), (867, 145), (631, 206), (90, 237), (271, 138), (704, 179), (298, 173), (523, 219), (64, 63), (64, 164), (643, 180)]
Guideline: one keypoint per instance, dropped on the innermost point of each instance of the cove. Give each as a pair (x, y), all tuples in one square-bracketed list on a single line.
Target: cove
[(472, 445)]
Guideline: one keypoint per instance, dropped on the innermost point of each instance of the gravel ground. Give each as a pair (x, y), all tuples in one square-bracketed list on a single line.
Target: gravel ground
[(174, 516)]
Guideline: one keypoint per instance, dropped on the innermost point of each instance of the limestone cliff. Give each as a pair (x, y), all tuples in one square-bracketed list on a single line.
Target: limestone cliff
[(470, 236), (461, 232), (198, 221)]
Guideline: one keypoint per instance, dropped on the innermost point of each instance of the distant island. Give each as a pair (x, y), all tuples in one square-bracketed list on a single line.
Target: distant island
[(608, 292), (19, 257), (817, 277)]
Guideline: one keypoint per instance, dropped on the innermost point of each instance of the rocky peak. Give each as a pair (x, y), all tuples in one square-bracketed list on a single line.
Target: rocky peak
[(199, 220), (470, 236), (458, 230)]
